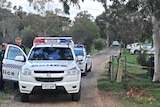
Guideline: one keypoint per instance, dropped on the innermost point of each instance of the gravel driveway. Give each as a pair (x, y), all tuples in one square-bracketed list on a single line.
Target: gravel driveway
[(90, 96)]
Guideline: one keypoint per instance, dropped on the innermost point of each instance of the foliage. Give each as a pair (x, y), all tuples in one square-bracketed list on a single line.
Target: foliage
[(40, 4), (142, 59), (30, 25), (136, 89), (93, 51), (140, 92), (122, 22), (99, 44), (28, 36), (10, 29), (84, 31)]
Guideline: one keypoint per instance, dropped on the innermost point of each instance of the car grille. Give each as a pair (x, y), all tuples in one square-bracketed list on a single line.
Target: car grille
[(48, 79), (48, 71)]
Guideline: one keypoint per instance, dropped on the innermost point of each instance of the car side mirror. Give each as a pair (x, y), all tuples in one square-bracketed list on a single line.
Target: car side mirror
[(88, 56), (20, 58), (79, 58)]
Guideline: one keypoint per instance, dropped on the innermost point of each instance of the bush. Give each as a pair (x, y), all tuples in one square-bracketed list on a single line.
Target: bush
[(99, 44), (141, 59)]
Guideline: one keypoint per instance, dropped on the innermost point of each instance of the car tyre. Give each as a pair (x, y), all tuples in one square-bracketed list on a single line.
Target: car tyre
[(76, 96), (90, 68), (24, 97), (85, 73)]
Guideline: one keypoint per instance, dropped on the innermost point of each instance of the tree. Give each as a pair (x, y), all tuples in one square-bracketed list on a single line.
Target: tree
[(5, 4), (39, 5), (84, 31), (28, 35), (55, 25), (11, 28), (122, 23), (151, 10)]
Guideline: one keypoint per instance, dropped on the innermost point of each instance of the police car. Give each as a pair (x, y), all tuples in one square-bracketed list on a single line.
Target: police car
[(86, 64), (49, 66)]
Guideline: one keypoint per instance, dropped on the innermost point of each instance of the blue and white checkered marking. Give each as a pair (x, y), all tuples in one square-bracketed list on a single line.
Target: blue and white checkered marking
[(14, 66)]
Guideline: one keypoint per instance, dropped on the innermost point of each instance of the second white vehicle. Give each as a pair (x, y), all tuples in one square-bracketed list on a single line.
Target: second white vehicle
[(85, 65)]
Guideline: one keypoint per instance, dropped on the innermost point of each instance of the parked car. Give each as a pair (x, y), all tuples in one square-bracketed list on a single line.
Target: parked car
[(129, 46), (85, 65), (115, 43), (135, 47), (147, 46), (150, 51)]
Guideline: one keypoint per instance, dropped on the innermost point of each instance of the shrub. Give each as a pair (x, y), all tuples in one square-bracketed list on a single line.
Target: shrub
[(141, 59), (99, 44)]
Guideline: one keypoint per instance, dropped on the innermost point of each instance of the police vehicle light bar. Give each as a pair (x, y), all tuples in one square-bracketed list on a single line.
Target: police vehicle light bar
[(79, 46), (53, 40)]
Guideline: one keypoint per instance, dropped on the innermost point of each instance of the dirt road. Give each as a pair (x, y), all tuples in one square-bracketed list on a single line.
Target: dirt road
[(90, 96)]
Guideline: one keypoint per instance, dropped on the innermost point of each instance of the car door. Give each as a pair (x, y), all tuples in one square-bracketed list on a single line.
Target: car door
[(10, 66), (89, 61)]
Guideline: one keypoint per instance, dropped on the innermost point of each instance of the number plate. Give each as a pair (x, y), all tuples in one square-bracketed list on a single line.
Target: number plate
[(48, 86)]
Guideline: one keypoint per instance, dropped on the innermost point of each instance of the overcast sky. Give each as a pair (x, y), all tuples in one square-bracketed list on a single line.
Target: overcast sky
[(93, 8)]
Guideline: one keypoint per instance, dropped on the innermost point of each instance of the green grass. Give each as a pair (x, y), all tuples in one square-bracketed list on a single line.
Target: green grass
[(93, 51), (139, 79), (9, 91), (104, 85), (149, 99)]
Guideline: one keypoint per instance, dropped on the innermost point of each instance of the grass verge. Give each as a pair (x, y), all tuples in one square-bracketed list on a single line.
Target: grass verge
[(136, 88)]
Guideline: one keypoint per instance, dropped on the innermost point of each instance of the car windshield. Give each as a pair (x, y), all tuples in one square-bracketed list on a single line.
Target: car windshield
[(78, 52), (51, 53)]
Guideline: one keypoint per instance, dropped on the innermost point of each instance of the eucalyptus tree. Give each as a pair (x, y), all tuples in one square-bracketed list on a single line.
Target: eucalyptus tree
[(5, 4), (124, 23), (11, 28), (4, 15), (39, 5), (113, 22), (150, 10), (35, 21), (84, 30), (57, 25)]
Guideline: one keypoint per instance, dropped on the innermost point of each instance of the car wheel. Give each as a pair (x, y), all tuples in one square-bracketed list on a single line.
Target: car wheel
[(136, 52), (76, 96), (24, 97), (90, 68), (85, 73)]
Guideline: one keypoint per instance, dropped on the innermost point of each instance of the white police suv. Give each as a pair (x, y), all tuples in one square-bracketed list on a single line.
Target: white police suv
[(49, 66), (85, 65)]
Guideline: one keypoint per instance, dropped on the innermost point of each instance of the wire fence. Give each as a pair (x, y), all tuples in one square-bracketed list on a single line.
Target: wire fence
[(115, 66)]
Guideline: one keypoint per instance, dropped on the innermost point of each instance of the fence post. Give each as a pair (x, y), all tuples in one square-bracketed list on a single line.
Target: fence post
[(120, 70), (112, 71)]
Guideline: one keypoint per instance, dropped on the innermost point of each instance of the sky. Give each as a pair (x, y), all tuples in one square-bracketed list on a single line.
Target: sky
[(93, 8)]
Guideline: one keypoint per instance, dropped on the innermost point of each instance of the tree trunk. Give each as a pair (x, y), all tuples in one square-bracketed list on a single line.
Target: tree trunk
[(156, 41)]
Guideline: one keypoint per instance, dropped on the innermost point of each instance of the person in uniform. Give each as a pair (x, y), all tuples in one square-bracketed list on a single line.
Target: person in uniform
[(4, 46), (18, 42)]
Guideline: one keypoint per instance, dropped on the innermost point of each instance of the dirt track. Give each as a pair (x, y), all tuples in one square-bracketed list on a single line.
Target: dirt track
[(90, 96)]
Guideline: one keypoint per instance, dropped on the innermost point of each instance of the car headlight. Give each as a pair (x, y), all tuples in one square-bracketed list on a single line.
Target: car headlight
[(26, 71), (73, 71)]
